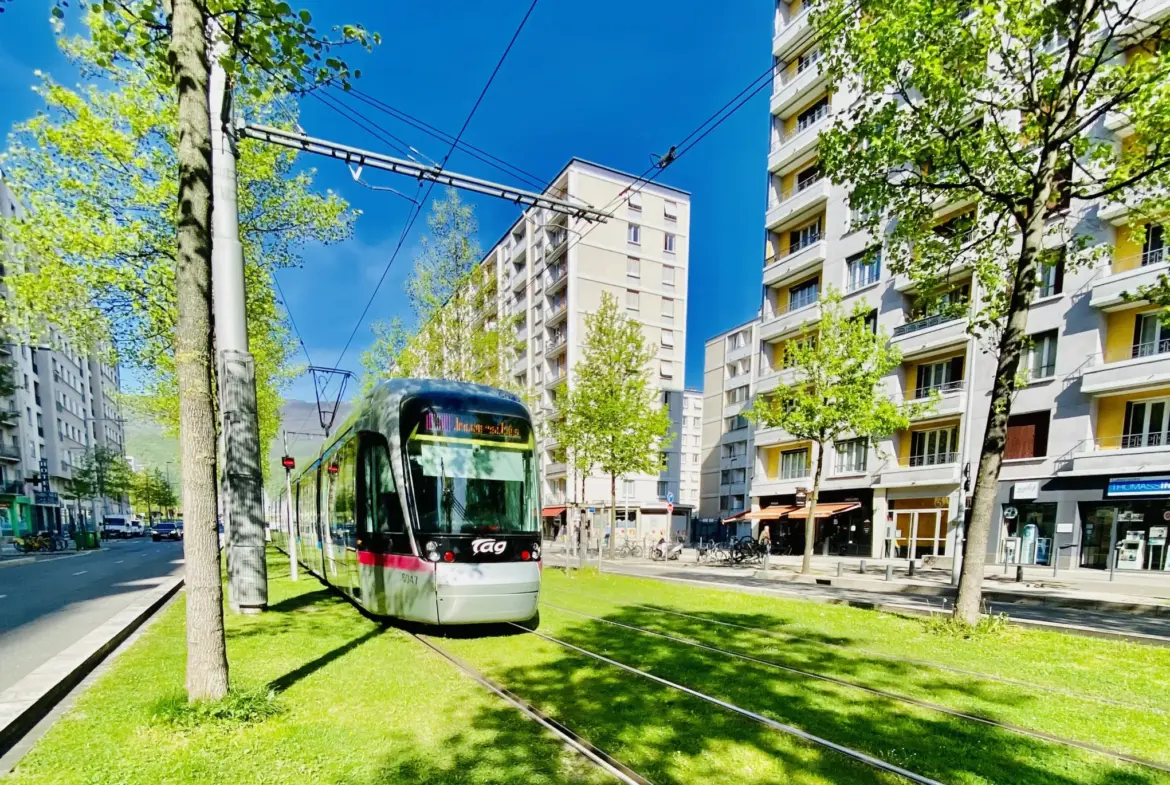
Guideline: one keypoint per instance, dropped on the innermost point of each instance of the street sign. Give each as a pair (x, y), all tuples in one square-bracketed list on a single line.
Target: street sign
[(1010, 513), (288, 462), (670, 508), (670, 497), (47, 498), (44, 472)]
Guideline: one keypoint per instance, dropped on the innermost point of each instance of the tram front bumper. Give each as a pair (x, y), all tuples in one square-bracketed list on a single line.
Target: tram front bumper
[(479, 593)]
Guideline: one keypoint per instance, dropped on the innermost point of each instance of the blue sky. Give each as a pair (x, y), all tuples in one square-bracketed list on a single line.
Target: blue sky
[(610, 81)]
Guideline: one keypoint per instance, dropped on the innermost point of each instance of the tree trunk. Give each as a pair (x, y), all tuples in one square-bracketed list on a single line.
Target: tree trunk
[(612, 513), (207, 668), (1011, 344), (810, 523)]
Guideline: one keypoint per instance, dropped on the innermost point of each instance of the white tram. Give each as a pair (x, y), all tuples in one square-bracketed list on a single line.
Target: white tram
[(425, 505)]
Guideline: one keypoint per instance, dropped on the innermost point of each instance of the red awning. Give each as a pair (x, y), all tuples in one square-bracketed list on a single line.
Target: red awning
[(771, 513), (826, 510), (552, 512)]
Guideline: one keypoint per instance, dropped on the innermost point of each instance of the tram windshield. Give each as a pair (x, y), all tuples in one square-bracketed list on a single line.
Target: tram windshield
[(472, 473)]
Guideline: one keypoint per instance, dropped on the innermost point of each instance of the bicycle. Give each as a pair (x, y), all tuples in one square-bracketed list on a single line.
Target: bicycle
[(33, 543), (626, 550)]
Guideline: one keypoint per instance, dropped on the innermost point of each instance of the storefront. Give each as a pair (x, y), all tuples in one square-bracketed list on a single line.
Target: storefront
[(553, 521), (1081, 521), (844, 522), (15, 516), (918, 527)]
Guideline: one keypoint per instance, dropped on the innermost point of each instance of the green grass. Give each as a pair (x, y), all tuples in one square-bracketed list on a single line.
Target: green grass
[(948, 748), (354, 703)]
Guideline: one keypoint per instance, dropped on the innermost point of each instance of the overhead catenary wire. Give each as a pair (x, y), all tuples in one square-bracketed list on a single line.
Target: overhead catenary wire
[(421, 202)]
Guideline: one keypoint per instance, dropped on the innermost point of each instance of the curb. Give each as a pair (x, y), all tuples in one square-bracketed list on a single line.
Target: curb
[(24, 704), (912, 610), (34, 559), (994, 595)]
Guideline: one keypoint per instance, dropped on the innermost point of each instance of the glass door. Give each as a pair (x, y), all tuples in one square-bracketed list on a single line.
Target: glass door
[(1146, 423)]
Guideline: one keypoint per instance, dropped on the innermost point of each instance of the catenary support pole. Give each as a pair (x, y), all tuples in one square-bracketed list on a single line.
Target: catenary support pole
[(242, 474), (288, 506)]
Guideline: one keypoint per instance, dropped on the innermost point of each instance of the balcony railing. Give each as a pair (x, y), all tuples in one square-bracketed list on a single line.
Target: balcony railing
[(797, 473), (552, 377), (802, 300), (1146, 349), (16, 488), (10, 451), (1143, 259), (1130, 441), (923, 324), (862, 276), (556, 342), (934, 459), (556, 275), (780, 28), (941, 389), (793, 192), (556, 309), (812, 58)]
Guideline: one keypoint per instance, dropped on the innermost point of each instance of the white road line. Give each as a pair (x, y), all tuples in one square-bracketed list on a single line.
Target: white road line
[(119, 561), (83, 572), (2, 596)]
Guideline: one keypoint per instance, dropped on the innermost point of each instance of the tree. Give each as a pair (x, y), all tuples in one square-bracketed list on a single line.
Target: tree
[(457, 331), (995, 106), (152, 488), (838, 391), (612, 416), (102, 474), (570, 430), (174, 37)]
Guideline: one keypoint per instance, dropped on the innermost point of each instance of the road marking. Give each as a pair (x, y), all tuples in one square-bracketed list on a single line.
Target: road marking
[(83, 572), (119, 561), (2, 596)]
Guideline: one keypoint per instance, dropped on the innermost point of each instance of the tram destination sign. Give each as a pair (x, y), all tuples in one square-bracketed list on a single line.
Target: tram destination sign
[(1138, 486), (475, 425)]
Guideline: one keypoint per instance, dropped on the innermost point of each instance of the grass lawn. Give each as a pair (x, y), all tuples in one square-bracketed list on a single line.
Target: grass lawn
[(361, 703), (664, 735)]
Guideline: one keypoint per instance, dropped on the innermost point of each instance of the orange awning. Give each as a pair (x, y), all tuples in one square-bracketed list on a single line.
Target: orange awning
[(733, 518), (771, 513), (552, 512), (827, 510)]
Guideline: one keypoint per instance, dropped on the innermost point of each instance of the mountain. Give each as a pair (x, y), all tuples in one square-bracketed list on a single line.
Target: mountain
[(153, 447)]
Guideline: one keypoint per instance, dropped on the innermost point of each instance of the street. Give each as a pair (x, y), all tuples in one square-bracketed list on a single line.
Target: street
[(48, 605)]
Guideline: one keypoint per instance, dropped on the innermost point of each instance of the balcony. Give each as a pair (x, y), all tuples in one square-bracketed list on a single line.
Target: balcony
[(770, 437), (1144, 270), (557, 242), (933, 469), (771, 379), (557, 311), (555, 469), (792, 34), (793, 88), (520, 364), (930, 334), (1136, 367), (553, 378), (790, 320), (951, 400), (12, 488), (556, 344), (807, 257), (1119, 123), (799, 203), (518, 253), (10, 453), (556, 278), (1129, 454), (778, 486), (791, 149)]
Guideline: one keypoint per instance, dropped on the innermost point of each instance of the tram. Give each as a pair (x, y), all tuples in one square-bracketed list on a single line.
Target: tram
[(425, 505)]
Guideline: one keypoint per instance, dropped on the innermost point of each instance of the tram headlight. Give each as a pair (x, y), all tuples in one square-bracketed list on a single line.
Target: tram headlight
[(535, 552), (431, 546), (433, 555)]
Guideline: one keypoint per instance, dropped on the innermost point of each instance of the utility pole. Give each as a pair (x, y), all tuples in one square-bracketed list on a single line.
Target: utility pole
[(242, 476), (288, 464)]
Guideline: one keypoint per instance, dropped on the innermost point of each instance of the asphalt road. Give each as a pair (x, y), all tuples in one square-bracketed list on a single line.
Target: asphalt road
[(48, 605), (1101, 620)]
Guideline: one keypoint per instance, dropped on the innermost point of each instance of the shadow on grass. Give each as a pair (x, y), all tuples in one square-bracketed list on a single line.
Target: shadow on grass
[(309, 668)]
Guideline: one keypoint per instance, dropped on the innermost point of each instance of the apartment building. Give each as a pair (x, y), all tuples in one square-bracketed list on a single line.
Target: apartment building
[(61, 404), (1088, 447), (551, 271), (729, 378)]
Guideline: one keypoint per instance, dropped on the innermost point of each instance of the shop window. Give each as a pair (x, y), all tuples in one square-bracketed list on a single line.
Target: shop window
[(1027, 436), (1030, 530)]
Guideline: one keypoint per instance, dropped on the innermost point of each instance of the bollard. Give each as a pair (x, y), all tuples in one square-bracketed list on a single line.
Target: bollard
[(840, 568), (912, 562), (1020, 574), (863, 566), (889, 572)]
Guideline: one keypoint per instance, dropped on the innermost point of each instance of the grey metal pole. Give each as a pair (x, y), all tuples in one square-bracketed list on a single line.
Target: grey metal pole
[(242, 477), (1113, 544), (288, 502)]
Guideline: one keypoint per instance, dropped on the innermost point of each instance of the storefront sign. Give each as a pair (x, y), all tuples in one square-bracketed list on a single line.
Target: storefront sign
[(1130, 517), (1026, 490), (1138, 486), (1010, 513), (1064, 528), (48, 499)]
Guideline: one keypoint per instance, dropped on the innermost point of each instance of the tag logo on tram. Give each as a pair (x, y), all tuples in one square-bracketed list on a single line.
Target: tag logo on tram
[(488, 546)]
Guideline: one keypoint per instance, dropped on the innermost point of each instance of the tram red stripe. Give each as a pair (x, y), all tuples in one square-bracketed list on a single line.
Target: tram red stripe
[(397, 561)]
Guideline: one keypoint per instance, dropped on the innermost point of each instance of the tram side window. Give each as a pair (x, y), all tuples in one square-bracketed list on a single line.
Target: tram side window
[(343, 491), (383, 512)]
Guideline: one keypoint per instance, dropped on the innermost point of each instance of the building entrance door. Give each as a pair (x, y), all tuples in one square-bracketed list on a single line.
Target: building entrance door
[(917, 533)]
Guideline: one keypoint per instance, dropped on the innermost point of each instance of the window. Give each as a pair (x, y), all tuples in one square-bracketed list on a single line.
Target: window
[(633, 267), (670, 210), (632, 300), (799, 239), (666, 369), (734, 423), (666, 398), (1050, 280), (807, 177), (627, 488), (871, 321), (1149, 336), (668, 338), (851, 456), (934, 447), (667, 274), (694, 457), (635, 200), (663, 489), (1153, 248), (729, 476), (1027, 435), (739, 340), (732, 503), (342, 479), (1042, 355), (737, 394), (634, 234), (668, 242), (863, 269), (959, 228), (807, 60), (1145, 424), (794, 464), (813, 114), (667, 308), (734, 450), (943, 376), (803, 294)]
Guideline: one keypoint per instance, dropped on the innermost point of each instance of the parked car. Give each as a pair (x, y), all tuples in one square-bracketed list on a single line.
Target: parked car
[(166, 530), (117, 527)]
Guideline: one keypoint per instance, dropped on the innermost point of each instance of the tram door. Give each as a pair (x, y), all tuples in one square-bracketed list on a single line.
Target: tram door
[(340, 517)]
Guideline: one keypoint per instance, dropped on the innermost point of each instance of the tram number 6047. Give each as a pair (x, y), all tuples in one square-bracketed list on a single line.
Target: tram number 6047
[(488, 546)]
